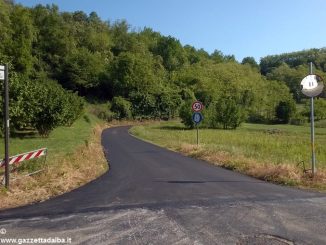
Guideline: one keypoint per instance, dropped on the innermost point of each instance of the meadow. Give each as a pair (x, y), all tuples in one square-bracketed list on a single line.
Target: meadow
[(280, 153)]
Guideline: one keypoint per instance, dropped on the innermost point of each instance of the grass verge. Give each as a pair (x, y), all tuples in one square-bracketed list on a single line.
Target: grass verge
[(277, 153), (75, 157)]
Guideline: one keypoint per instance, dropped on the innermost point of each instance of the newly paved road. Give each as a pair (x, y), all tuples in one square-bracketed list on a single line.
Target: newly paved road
[(155, 196)]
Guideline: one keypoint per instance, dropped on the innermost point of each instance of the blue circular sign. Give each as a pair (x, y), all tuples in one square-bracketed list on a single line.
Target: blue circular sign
[(197, 117)]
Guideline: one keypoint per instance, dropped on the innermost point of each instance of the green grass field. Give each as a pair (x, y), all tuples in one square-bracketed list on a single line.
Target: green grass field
[(272, 144), (62, 140)]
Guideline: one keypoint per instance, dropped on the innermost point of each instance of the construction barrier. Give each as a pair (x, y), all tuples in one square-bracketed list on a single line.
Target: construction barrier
[(25, 156)]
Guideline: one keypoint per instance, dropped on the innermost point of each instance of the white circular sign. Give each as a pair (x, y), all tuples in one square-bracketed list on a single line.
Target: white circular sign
[(197, 106)]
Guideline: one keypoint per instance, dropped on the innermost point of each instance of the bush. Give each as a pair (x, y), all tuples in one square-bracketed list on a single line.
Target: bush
[(185, 114), (54, 107), (42, 105), (298, 119), (102, 111), (228, 113), (121, 107), (143, 105)]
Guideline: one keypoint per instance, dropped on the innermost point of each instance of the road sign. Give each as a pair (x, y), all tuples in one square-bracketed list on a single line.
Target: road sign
[(197, 117), (197, 106), (2, 72), (312, 85)]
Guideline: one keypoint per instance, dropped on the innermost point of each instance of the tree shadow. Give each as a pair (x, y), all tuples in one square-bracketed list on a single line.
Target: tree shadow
[(24, 134), (167, 127)]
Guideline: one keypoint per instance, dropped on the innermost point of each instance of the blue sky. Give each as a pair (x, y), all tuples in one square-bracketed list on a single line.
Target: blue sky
[(241, 27)]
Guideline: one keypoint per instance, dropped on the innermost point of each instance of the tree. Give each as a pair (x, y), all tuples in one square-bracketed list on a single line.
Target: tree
[(227, 113), (23, 36), (172, 53), (250, 61), (284, 111)]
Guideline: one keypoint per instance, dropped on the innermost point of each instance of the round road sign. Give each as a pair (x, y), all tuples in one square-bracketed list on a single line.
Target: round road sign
[(197, 106), (197, 117)]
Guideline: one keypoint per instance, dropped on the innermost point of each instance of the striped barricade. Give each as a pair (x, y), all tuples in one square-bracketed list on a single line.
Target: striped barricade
[(25, 156)]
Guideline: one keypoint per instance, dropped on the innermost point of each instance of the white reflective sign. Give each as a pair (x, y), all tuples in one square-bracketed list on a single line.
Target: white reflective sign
[(2, 75)]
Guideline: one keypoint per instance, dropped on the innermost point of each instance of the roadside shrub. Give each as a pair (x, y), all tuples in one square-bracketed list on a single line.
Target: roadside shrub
[(42, 105), (102, 111), (54, 107), (227, 113), (185, 114), (121, 107)]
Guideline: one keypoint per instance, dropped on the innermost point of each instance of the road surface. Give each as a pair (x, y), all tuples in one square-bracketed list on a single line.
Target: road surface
[(155, 196)]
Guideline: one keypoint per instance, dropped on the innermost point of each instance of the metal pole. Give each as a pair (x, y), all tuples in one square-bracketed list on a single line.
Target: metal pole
[(6, 124), (312, 130), (197, 134)]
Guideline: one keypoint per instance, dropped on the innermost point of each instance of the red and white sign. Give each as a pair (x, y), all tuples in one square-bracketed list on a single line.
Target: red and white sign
[(197, 106), (25, 156)]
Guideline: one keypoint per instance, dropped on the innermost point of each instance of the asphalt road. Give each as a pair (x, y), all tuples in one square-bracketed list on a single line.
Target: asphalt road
[(155, 196)]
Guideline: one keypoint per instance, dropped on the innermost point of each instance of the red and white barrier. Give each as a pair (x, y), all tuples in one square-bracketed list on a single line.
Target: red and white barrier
[(25, 156)]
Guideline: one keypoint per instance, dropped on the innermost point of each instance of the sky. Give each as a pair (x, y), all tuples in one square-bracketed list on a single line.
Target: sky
[(243, 28)]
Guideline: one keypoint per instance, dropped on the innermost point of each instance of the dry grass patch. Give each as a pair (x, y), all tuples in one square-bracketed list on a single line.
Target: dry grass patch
[(286, 174), (59, 176)]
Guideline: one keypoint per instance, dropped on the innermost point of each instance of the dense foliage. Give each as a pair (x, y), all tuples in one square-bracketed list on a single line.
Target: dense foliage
[(138, 74)]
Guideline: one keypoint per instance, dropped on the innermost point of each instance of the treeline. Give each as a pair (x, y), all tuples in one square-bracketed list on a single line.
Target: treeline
[(139, 74), (290, 68)]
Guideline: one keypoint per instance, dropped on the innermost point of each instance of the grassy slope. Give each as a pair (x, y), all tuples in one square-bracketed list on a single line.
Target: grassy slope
[(269, 152), (74, 158), (61, 141)]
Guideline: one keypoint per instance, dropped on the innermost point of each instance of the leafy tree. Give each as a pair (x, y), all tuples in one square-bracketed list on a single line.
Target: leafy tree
[(284, 111), (227, 113), (143, 104), (23, 36), (250, 61), (82, 70), (172, 53)]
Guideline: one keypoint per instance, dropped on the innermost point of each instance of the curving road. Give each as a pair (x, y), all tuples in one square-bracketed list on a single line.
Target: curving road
[(155, 196)]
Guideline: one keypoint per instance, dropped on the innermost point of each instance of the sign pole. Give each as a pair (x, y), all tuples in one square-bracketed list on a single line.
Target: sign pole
[(6, 124), (312, 131), (4, 77), (197, 134), (197, 117)]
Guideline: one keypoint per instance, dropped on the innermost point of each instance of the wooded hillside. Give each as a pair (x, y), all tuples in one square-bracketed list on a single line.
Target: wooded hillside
[(139, 74)]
